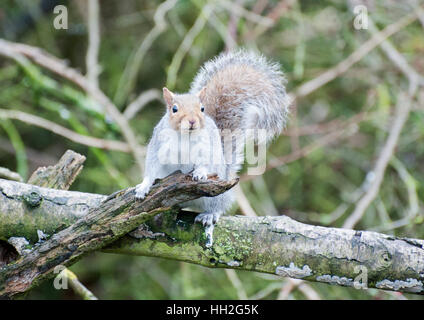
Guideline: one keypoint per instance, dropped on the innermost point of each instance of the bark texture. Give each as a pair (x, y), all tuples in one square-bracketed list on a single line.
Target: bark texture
[(62, 174), (99, 220), (285, 247), (276, 245)]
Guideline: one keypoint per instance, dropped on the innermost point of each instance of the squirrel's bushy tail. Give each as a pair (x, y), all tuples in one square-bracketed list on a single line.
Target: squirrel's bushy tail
[(244, 91)]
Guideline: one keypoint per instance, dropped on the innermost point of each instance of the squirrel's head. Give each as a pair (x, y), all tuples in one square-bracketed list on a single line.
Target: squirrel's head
[(186, 112)]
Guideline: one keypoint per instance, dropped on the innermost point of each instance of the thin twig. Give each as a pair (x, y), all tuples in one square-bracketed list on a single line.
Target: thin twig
[(321, 128), (356, 56), (276, 13), (92, 65), (294, 137), (128, 78), (187, 43), (266, 201), (64, 132), (402, 113), (243, 202), (231, 34), (266, 291), (411, 186), (319, 143), (18, 52), (286, 289), (143, 99), (308, 291), (235, 281), (10, 175), (221, 28), (398, 60), (299, 284), (249, 15), (77, 286)]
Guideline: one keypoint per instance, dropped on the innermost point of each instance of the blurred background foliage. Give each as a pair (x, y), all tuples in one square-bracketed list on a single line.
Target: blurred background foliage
[(319, 186)]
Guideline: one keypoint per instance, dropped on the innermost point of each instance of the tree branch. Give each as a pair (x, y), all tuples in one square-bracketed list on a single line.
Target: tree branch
[(64, 132), (276, 245), (102, 220), (282, 246), (91, 60), (10, 175), (61, 176), (20, 52), (357, 55)]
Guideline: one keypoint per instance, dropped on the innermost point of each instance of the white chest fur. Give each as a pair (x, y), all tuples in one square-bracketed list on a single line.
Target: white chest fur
[(184, 151)]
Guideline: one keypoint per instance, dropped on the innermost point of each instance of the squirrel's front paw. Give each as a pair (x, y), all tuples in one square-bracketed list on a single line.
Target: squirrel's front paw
[(141, 190), (200, 174)]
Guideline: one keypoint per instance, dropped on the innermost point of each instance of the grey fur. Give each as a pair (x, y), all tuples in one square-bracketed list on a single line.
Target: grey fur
[(275, 108), (211, 208), (263, 111)]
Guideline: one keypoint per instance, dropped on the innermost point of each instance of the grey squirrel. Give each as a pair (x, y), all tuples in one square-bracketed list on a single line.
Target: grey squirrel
[(231, 94)]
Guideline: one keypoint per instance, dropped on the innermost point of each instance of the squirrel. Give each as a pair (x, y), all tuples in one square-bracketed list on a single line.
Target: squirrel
[(231, 94)]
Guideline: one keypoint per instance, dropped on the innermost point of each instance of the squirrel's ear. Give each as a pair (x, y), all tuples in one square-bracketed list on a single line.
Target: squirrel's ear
[(168, 96), (202, 94)]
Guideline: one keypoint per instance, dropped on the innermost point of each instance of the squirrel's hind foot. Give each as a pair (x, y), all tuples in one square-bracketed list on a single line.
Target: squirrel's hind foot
[(141, 190), (207, 218)]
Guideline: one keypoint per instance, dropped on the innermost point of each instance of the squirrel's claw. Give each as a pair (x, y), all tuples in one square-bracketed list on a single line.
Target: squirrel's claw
[(200, 174), (141, 191), (207, 218)]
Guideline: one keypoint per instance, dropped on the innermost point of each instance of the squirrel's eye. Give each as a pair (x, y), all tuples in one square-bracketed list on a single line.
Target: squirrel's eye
[(174, 108), (202, 108)]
